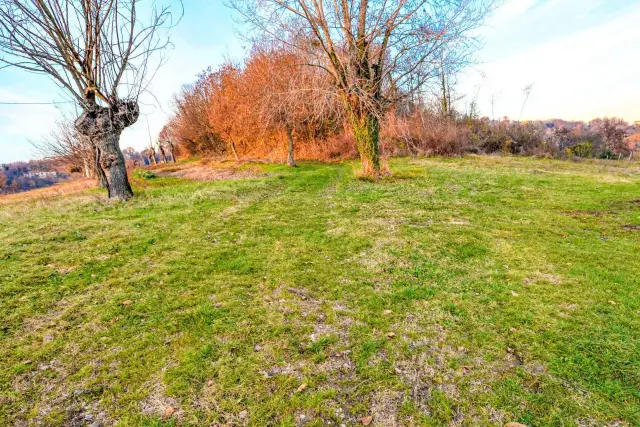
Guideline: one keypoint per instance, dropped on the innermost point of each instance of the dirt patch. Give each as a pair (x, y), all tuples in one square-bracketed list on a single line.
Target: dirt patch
[(339, 365), (585, 213), (77, 405), (378, 255), (208, 172), (384, 408), (158, 403), (630, 227), (543, 277)]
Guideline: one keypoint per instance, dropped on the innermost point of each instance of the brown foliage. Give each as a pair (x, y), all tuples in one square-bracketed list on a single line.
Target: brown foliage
[(255, 111), (248, 111), (423, 132)]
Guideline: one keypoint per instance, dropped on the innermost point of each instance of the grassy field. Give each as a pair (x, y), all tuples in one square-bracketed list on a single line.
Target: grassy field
[(475, 291)]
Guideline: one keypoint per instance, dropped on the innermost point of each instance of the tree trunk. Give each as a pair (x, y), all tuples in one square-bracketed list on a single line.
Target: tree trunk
[(163, 156), (103, 125), (290, 159), (113, 167), (99, 172), (235, 151), (445, 98), (366, 129), (86, 165)]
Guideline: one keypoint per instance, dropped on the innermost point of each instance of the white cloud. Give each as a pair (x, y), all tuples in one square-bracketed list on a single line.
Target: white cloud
[(511, 10), (584, 75)]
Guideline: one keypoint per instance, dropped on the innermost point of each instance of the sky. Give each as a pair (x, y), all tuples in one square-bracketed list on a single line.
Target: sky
[(581, 58)]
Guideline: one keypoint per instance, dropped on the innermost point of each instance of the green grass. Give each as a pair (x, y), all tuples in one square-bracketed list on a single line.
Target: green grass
[(474, 291)]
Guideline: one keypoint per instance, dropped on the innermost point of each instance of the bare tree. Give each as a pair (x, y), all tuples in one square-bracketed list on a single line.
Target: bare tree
[(99, 52), (527, 93), (146, 156), (288, 96), (163, 155), (169, 148), (65, 144), (376, 51), (166, 140)]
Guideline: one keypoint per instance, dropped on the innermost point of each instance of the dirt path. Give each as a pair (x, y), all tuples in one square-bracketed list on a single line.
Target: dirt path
[(201, 171)]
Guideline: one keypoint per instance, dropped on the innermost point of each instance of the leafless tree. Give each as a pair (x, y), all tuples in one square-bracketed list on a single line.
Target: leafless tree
[(65, 144), (288, 96), (100, 53), (169, 148), (448, 73), (166, 140), (146, 156), (151, 154), (527, 93), (163, 155), (376, 51)]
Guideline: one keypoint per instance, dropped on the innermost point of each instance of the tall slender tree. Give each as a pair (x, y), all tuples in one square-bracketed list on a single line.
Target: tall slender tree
[(100, 53)]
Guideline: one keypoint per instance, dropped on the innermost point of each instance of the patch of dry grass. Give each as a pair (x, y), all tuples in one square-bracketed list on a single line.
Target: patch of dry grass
[(43, 194)]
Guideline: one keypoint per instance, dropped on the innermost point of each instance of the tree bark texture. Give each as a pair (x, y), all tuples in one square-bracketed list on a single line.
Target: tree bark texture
[(104, 125), (366, 130), (100, 174)]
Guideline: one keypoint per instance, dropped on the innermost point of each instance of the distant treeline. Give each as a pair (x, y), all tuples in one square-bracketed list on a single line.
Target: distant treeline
[(23, 176)]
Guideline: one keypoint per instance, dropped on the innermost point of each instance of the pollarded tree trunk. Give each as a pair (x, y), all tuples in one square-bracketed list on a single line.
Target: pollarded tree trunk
[(113, 164), (366, 129), (290, 159), (104, 125)]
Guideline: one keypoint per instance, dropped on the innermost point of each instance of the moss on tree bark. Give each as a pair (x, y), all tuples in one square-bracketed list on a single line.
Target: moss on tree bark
[(366, 130)]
